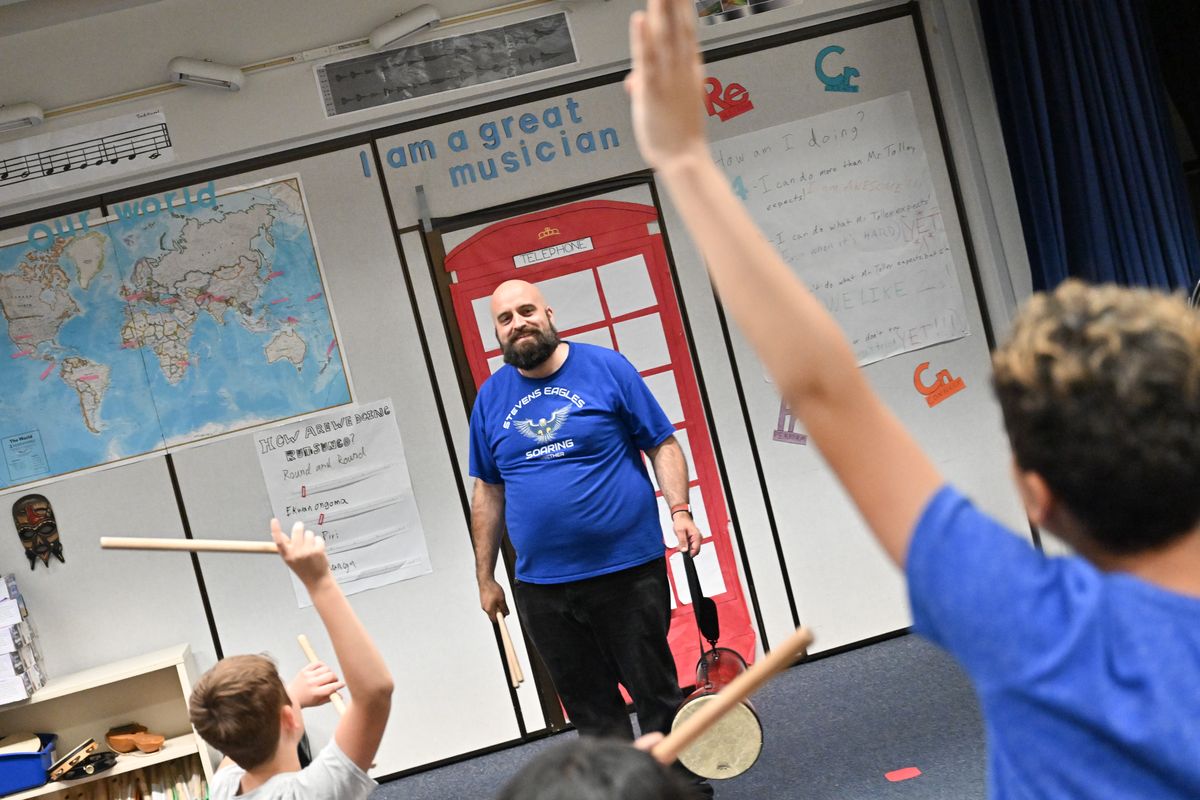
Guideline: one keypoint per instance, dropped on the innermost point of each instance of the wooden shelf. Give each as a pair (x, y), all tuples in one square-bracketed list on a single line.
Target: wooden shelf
[(104, 675), (178, 747), (151, 689)]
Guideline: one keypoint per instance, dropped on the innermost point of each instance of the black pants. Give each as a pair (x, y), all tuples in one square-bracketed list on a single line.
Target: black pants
[(599, 631)]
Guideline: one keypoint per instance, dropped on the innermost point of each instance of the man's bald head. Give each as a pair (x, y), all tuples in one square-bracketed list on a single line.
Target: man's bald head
[(524, 324), (516, 292)]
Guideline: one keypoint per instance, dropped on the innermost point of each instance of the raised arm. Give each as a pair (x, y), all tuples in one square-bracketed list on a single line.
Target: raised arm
[(360, 729), (487, 515), (670, 468), (882, 467)]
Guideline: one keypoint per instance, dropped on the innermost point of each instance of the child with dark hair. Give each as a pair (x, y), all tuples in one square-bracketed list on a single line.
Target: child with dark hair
[(592, 768), (1086, 667), (242, 708)]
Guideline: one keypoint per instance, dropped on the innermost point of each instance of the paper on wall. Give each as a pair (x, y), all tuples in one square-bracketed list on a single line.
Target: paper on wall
[(344, 474), (847, 199)]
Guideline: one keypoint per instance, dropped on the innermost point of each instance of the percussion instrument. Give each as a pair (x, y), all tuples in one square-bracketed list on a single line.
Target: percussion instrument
[(712, 711), (515, 675), (732, 744), (190, 545)]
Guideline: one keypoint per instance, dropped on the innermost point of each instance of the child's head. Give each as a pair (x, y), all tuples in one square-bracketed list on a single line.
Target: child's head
[(236, 707), (1100, 389), (595, 769)]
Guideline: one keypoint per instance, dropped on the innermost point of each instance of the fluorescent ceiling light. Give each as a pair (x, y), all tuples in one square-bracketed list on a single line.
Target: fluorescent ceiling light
[(205, 73), (424, 16), (19, 115)]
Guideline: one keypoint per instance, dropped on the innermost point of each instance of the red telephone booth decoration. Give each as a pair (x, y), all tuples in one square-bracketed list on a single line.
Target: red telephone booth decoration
[(604, 270)]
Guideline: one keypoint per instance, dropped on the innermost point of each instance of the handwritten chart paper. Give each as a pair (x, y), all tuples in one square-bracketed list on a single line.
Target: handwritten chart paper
[(345, 476), (848, 200), (84, 154)]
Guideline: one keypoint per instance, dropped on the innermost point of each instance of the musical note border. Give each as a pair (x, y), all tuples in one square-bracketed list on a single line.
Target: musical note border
[(97, 151)]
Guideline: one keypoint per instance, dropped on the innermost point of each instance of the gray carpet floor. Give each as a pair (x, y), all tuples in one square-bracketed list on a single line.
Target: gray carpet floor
[(832, 728)]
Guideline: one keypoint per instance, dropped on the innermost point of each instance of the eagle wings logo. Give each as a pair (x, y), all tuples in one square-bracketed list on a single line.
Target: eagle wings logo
[(544, 429)]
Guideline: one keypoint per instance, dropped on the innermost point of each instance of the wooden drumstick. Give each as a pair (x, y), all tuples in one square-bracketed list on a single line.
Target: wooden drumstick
[(514, 666), (191, 545), (738, 690), (311, 655)]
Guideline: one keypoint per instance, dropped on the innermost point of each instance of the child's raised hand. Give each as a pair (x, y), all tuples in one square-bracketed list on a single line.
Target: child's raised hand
[(303, 552), (665, 83)]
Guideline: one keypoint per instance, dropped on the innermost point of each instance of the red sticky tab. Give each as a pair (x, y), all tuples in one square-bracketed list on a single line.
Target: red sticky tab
[(902, 774)]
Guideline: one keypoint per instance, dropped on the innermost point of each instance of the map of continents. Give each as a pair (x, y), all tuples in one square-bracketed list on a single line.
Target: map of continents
[(160, 327)]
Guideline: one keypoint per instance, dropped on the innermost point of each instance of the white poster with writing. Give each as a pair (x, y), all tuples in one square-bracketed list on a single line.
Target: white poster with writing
[(847, 199), (345, 476)]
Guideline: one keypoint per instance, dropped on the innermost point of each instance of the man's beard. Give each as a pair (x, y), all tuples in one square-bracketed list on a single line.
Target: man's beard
[(530, 351)]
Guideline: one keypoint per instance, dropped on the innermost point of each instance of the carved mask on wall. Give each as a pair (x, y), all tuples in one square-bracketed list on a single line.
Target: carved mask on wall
[(38, 529)]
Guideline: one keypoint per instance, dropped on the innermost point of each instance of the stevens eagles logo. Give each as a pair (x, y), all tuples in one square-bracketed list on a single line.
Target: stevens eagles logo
[(543, 430)]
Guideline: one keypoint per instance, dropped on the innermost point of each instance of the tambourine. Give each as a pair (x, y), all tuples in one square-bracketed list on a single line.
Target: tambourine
[(72, 759), (96, 762)]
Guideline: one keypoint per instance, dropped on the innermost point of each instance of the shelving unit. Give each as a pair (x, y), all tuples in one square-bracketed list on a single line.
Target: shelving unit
[(152, 689)]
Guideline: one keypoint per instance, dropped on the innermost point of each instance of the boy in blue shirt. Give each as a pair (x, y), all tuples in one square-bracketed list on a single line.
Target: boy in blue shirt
[(1086, 667)]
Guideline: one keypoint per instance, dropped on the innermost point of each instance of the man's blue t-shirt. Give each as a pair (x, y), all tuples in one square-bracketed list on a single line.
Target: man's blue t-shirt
[(578, 501), (1088, 680)]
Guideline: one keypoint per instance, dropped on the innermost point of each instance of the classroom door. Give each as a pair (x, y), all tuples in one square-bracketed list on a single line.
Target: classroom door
[(604, 270)]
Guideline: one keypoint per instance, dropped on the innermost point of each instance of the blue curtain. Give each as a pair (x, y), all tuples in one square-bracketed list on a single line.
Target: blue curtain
[(1097, 174)]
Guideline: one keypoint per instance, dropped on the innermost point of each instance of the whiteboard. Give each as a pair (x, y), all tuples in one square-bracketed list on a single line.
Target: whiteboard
[(847, 199)]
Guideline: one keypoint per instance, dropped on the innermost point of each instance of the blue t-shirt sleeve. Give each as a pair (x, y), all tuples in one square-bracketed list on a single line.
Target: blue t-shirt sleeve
[(644, 418), (985, 594), (481, 464)]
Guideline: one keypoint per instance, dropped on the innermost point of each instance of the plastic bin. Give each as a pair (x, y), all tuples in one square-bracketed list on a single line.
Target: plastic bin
[(20, 771)]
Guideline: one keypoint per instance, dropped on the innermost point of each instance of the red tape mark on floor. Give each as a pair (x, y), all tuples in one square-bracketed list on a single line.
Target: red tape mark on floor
[(902, 774)]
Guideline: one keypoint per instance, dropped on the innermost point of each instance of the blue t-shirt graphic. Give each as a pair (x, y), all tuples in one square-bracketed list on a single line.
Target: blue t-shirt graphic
[(1087, 679), (578, 501)]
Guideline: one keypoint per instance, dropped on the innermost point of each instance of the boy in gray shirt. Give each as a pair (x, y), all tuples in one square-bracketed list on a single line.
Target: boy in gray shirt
[(242, 708)]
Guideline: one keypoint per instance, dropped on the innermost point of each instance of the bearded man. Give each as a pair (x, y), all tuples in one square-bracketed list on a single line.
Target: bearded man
[(557, 436)]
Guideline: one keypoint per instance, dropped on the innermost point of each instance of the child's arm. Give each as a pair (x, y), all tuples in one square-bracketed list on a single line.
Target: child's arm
[(361, 728), (882, 467)]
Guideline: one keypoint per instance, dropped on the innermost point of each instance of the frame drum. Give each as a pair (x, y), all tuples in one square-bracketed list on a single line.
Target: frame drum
[(734, 742)]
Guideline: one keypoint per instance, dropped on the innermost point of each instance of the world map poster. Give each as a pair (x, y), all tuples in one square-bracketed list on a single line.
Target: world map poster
[(165, 324)]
